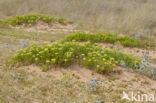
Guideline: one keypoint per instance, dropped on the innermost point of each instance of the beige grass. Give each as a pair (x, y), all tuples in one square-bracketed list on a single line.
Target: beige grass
[(122, 16)]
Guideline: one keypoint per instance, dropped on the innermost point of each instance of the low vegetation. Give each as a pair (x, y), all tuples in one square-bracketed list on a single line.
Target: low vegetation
[(31, 19), (65, 54), (107, 38), (2, 24), (70, 51)]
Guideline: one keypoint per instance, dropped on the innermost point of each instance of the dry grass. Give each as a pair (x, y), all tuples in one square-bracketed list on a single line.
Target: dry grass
[(122, 16)]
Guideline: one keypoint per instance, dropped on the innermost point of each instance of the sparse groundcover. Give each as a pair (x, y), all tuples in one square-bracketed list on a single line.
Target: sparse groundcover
[(30, 19), (65, 54), (2, 24), (107, 38)]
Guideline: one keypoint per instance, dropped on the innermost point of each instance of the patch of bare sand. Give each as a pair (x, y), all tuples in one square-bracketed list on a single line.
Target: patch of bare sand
[(43, 27), (134, 81)]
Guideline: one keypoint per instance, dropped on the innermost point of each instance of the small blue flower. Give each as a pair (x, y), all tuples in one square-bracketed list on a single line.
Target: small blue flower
[(137, 36), (122, 63), (148, 31), (130, 70), (100, 82), (94, 82), (76, 25), (115, 46), (12, 76), (120, 49), (140, 70), (143, 64), (6, 45), (23, 44)]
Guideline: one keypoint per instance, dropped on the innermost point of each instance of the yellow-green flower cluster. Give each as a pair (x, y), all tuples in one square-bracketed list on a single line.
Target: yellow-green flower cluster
[(65, 54)]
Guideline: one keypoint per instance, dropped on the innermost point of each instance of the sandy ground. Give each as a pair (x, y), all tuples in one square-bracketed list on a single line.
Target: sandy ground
[(85, 74), (53, 27), (138, 52)]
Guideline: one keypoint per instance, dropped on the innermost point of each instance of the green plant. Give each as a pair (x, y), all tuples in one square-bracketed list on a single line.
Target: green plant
[(66, 79), (65, 54), (31, 19), (106, 38), (2, 24)]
